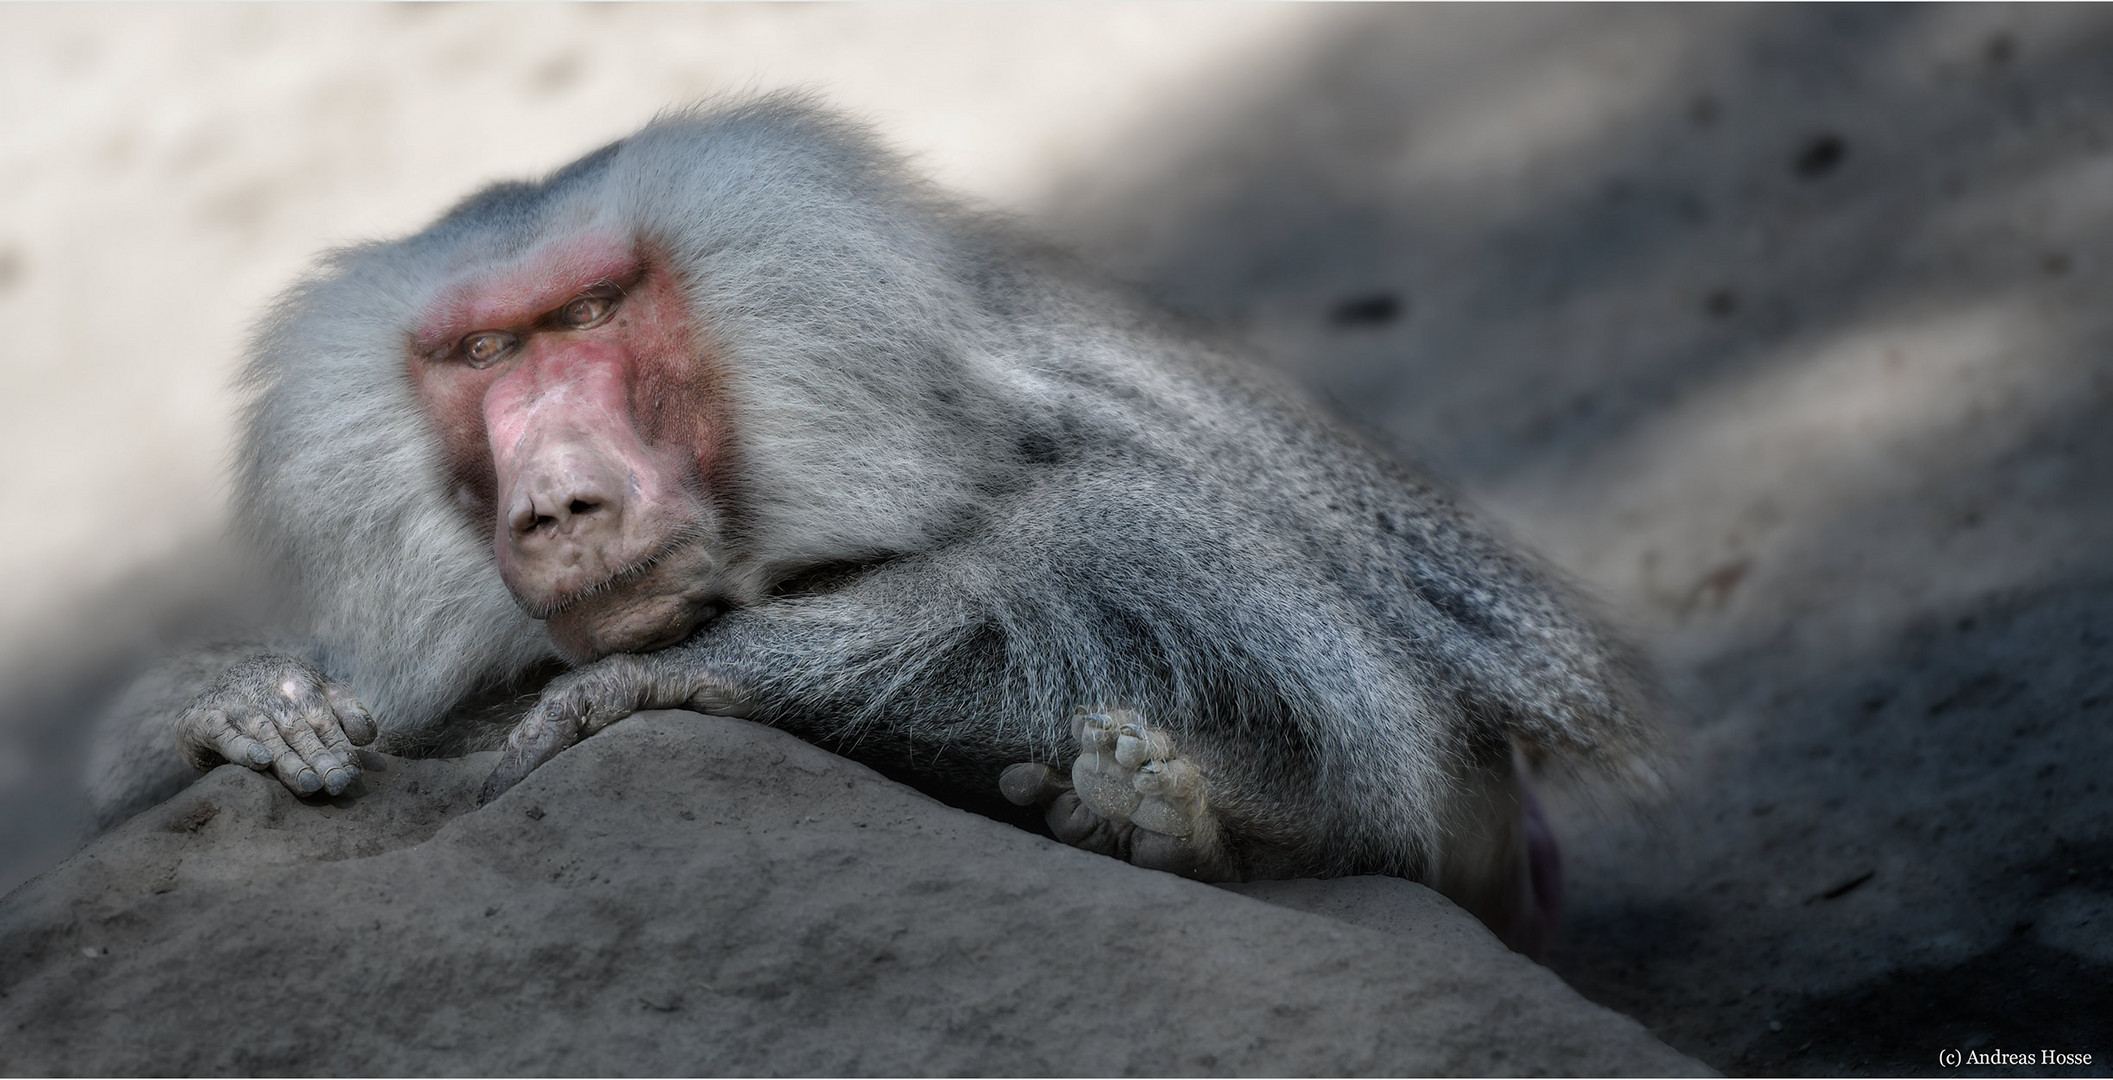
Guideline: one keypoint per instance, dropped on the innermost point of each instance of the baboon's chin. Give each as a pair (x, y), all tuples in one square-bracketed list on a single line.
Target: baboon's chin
[(642, 626), (642, 617)]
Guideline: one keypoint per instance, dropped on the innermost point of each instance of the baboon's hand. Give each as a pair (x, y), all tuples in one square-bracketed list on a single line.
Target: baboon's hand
[(582, 702), (279, 713)]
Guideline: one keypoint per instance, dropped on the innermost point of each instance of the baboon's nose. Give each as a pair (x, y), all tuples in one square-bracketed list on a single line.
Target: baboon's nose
[(575, 498), (559, 514)]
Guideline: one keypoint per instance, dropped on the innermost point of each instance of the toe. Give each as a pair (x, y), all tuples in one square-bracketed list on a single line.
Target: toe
[(1029, 783), (1098, 736), (1177, 855), (1175, 781), (1172, 798), (1136, 744), (1106, 789), (1073, 822)]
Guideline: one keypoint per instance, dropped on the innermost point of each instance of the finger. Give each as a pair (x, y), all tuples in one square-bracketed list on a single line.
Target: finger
[(344, 768), (359, 725), (596, 718), (237, 747), (299, 730), (207, 738), (312, 760), (541, 737), (548, 732), (299, 719), (194, 736), (285, 763), (511, 770)]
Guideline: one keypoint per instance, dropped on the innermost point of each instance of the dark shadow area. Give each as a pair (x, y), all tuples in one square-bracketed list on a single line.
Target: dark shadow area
[(1932, 809), (42, 815), (1784, 330), (1754, 176), (51, 698), (2022, 999)]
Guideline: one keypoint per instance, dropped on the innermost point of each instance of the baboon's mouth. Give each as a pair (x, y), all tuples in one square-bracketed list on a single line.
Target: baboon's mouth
[(651, 605), (564, 602)]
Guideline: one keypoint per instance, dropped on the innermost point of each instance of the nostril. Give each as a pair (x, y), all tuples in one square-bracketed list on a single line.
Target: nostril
[(533, 515), (522, 519)]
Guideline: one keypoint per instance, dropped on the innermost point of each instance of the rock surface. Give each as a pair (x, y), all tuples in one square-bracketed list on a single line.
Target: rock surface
[(685, 894)]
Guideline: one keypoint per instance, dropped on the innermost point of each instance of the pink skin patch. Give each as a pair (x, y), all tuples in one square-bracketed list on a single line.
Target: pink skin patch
[(581, 499), (532, 287), (584, 445)]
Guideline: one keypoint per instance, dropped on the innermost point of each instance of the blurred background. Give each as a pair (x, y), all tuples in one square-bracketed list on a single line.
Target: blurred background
[(1786, 331)]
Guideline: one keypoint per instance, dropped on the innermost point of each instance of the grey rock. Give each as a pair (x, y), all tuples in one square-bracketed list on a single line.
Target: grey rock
[(685, 894)]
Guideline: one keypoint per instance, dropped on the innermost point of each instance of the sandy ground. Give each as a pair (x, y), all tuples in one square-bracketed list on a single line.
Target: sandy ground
[(1783, 330)]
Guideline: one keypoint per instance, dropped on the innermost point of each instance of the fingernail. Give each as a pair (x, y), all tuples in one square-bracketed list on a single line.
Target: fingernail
[(308, 782), (337, 780), (259, 755)]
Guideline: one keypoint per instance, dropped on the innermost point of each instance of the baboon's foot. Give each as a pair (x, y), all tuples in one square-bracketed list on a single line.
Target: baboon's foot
[(1128, 795)]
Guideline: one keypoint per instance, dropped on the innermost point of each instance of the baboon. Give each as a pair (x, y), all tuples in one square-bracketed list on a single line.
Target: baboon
[(733, 415)]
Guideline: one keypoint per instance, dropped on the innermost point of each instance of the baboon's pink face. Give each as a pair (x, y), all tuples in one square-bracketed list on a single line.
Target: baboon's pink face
[(585, 427)]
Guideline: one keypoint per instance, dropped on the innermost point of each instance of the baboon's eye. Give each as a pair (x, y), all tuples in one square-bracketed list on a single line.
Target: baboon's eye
[(486, 347), (586, 311)]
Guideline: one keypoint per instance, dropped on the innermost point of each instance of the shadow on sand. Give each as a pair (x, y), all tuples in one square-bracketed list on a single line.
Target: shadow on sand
[(1783, 329)]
